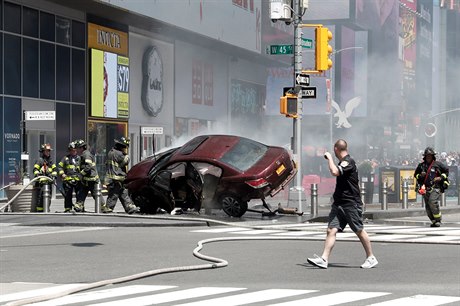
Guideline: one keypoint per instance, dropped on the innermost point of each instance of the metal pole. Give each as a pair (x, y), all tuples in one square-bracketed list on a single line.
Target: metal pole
[(314, 199), (458, 193), (46, 198), (25, 155), (97, 198), (297, 122), (363, 194), (384, 196), (443, 199), (405, 191)]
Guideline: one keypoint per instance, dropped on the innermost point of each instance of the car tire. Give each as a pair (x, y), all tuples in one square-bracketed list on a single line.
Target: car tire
[(232, 205), (143, 201)]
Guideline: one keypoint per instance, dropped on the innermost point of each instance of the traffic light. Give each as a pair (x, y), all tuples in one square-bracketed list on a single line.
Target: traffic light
[(323, 49), (288, 105)]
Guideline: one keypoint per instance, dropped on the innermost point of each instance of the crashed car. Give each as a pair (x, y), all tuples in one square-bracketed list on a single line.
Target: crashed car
[(211, 171)]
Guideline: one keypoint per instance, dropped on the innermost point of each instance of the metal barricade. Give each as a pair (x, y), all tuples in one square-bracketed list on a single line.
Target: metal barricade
[(384, 196), (405, 192), (314, 199)]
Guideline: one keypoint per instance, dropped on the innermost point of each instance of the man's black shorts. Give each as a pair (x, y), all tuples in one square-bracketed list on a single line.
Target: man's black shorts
[(341, 215)]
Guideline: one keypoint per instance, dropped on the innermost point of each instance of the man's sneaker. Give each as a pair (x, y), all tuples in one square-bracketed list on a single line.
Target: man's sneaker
[(318, 261), (370, 262)]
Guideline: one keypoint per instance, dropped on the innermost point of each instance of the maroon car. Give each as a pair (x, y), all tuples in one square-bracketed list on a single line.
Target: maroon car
[(213, 171)]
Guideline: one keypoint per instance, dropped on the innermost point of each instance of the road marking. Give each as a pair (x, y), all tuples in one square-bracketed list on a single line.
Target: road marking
[(170, 296), (36, 292), (420, 300), (334, 298), (251, 297), (49, 230)]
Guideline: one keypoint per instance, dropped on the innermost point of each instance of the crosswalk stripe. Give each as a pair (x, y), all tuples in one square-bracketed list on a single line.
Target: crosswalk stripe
[(170, 296), (36, 292), (420, 300), (334, 298), (258, 232), (221, 230), (252, 297), (102, 294)]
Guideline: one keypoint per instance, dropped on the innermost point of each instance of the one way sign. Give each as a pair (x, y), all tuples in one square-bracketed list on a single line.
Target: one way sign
[(309, 92), (302, 79)]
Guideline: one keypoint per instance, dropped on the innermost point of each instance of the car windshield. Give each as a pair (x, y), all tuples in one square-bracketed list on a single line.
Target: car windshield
[(244, 154)]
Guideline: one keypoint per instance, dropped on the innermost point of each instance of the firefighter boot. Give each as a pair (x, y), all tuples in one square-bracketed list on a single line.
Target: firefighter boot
[(79, 207), (105, 209), (131, 209)]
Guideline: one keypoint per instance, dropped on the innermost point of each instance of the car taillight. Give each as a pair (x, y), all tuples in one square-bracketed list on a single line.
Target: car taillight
[(259, 183)]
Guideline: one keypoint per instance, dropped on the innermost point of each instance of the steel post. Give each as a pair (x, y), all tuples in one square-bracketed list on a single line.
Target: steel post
[(443, 199), (314, 199), (363, 194), (405, 191), (385, 196), (97, 198), (46, 198)]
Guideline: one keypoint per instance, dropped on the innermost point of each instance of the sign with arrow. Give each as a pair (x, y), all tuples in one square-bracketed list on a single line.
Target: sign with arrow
[(309, 92), (302, 79)]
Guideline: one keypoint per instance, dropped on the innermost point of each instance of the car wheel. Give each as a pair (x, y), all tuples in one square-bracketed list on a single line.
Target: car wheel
[(233, 205), (145, 204)]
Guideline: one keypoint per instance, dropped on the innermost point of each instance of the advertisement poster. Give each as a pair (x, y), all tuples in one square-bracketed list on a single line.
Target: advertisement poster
[(12, 141), (109, 85), (389, 178), (408, 175)]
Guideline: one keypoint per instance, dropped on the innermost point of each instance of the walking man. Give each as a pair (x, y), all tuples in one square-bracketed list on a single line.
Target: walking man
[(117, 164), (89, 177), (432, 180), (69, 171), (347, 207)]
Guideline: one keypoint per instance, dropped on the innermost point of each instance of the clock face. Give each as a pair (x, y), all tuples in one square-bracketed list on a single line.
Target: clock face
[(152, 82)]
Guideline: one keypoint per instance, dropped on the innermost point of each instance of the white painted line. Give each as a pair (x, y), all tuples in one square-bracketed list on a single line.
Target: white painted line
[(102, 294), (36, 292), (334, 298), (56, 231), (252, 297), (170, 296), (300, 233), (222, 230), (420, 300), (393, 237), (258, 232), (438, 238)]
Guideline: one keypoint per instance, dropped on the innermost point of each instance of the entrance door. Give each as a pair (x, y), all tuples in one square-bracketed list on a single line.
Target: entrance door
[(34, 140)]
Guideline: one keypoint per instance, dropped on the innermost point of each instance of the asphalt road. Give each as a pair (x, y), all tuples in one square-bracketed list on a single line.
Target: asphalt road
[(39, 257)]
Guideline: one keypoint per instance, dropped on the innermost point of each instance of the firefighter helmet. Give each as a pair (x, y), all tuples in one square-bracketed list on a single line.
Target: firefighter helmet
[(123, 141), (72, 145), (79, 143), (44, 147), (429, 151)]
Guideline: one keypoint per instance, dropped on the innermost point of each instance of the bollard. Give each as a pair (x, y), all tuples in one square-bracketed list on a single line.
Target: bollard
[(384, 196), (46, 198), (97, 198), (314, 199), (363, 194), (405, 191), (458, 193), (443, 200)]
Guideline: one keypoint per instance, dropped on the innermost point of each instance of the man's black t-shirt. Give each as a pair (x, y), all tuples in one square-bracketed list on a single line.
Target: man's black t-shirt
[(347, 186)]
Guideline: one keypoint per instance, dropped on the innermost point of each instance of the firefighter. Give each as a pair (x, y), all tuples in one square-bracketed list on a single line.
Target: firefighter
[(69, 171), (432, 180), (89, 178), (117, 165), (44, 166)]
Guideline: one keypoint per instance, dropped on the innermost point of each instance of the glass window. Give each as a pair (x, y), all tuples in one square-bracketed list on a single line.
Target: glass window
[(244, 154), (63, 129), (47, 28), (78, 122), (12, 68), (78, 34), (62, 30), (30, 68), (47, 75), (1, 16), (62, 73), (30, 22), (1, 62), (78, 75), (12, 18)]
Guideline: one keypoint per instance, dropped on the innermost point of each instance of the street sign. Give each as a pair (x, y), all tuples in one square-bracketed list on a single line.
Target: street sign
[(302, 79), (307, 43), (279, 49), (40, 115), (309, 92), (151, 130)]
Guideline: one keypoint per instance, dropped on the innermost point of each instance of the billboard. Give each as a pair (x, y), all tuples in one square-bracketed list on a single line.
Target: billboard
[(109, 85)]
